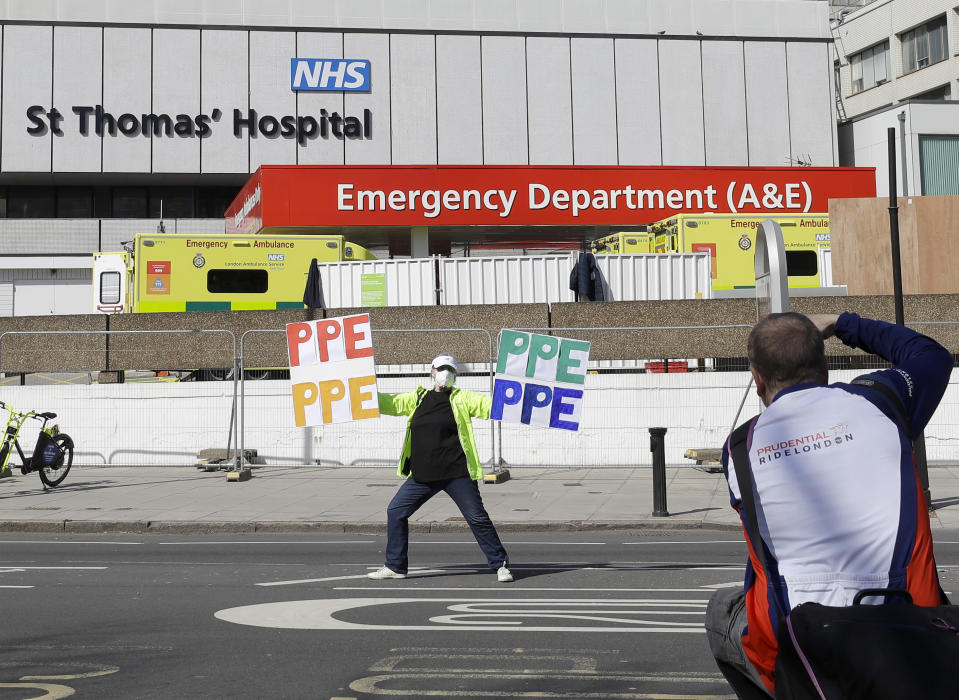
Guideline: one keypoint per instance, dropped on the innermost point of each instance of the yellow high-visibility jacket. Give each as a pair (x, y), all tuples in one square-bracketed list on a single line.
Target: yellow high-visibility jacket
[(466, 406)]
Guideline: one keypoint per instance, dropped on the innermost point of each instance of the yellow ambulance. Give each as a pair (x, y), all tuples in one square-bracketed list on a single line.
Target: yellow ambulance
[(730, 239), (208, 272)]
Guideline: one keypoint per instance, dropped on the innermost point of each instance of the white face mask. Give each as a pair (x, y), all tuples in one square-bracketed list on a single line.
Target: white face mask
[(444, 378)]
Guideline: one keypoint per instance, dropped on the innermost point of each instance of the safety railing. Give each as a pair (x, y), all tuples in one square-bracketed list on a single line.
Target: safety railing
[(103, 387)]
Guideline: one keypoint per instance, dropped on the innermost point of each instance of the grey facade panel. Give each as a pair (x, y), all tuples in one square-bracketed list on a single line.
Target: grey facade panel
[(49, 236), (319, 149), (594, 102), (767, 104), (271, 98), (724, 102), (459, 107), (376, 148), (413, 102), (728, 17), (550, 105), (811, 122), (637, 102), (176, 91), (27, 81), (77, 65), (126, 97), (505, 140), (681, 100), (224, 83)]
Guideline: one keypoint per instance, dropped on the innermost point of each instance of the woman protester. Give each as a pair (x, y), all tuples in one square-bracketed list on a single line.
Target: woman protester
[(439, 454)]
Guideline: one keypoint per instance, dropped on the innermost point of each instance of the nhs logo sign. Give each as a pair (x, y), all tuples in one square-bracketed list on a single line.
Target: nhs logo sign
[(329, 74)]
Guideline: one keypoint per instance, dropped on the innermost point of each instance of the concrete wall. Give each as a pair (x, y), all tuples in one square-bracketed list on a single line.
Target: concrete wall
[(185, 341)]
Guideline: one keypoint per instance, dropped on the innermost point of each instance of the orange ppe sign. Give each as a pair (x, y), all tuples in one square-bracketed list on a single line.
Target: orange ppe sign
[(332, 372)]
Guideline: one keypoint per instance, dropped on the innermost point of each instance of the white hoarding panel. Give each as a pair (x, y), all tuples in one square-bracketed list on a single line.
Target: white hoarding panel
[(521, 279), (655, 277), (637, 102), (319, 149), (224, 88), (6, 299), (126, 98), (681, 100), (594, 101), (413, 105), (550, 101), (504, 100), (27, 76), (176, 92), (409, 282), (811, 124), (724, 99), (374, 147), (767, 105), (271, 99), (77, 82), (459, 108)]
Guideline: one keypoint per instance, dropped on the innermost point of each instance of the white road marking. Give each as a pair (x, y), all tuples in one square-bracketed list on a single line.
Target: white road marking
[(221, 542), (731, 584), (412, 573), (740, 541), (55, 568), (524, 588), (499, 615), (512, 542), (17, 586), (65, 542)]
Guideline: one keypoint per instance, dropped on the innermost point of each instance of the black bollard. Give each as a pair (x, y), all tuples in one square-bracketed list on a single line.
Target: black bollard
[(657, 445)]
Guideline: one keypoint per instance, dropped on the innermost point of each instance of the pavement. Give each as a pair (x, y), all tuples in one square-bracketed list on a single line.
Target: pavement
[(354, 499)]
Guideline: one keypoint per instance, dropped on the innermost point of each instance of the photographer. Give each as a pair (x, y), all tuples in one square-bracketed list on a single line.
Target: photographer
[(838, 501)]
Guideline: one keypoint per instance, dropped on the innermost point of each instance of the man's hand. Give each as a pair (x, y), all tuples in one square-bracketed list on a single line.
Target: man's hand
[(826, 323)]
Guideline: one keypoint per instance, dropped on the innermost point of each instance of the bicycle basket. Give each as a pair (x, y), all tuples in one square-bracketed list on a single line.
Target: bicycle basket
[(46, 453)]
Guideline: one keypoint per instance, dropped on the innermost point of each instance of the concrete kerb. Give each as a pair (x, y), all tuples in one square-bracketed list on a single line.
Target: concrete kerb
[(199, 527)]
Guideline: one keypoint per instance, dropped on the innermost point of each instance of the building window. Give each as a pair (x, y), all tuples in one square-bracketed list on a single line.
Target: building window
[(237, 281), (31, 203), (924, 45), (870, 67), (212, 202), (939, 164), (75, 202), (130, 202), (171, 202)]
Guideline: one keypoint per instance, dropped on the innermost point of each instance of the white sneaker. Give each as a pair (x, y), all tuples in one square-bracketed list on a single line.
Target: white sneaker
[(503, 575), (387, 572)]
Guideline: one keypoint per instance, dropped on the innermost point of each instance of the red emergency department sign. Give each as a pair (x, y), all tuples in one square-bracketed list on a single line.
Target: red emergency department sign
[(305, 195)]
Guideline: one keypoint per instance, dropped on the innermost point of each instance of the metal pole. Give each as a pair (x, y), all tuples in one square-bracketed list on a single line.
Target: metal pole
[(657, 445), (894, 227), (919, 444)]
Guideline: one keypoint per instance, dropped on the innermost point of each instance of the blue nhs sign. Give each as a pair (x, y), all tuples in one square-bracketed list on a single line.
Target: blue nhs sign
[(330, 74)]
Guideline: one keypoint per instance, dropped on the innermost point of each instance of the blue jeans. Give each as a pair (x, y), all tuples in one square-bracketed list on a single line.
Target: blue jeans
[(465, 493)]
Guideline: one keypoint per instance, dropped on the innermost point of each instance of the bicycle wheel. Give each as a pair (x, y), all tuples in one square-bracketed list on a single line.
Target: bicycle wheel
[(55, 472)]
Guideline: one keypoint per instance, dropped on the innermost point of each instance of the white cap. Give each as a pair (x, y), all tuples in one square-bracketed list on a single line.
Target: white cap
[(444, 361)]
